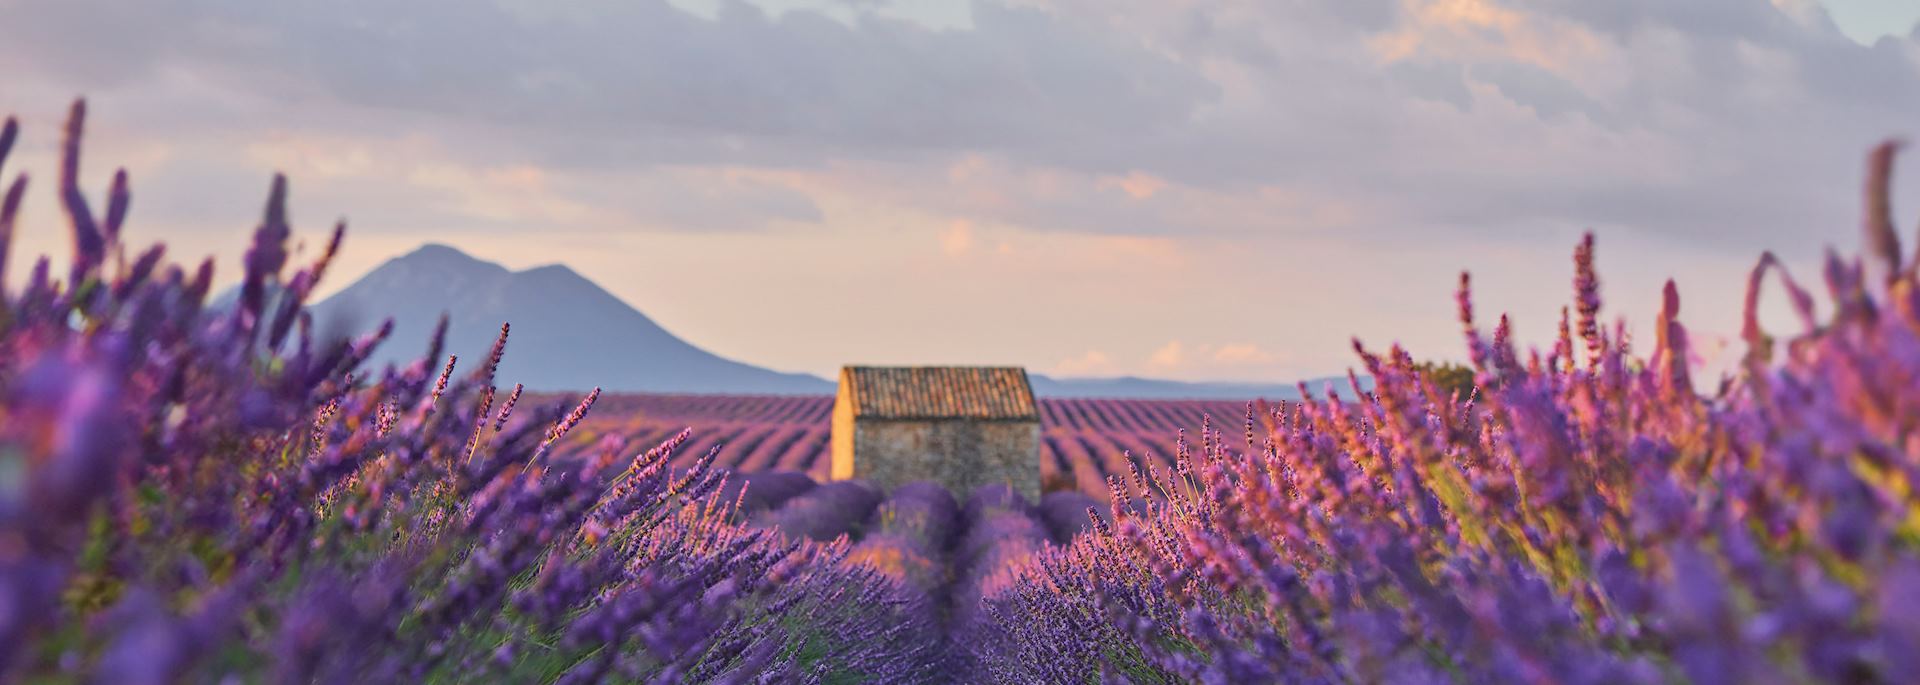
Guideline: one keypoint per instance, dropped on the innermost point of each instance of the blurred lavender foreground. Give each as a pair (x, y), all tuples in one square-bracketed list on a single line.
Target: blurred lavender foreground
[(1585, 517), (187, 496)]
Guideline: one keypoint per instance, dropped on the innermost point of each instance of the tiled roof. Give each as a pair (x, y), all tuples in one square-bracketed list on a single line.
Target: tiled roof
[(940, 392)]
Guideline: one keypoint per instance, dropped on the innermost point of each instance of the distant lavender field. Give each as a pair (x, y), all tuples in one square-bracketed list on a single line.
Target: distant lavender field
[(1083, 441)]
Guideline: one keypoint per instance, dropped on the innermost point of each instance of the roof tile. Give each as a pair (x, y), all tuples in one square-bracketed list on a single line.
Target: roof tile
[(940, 392)]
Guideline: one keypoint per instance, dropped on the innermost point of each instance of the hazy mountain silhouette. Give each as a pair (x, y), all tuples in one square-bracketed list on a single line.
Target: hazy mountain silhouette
[(1149, 388), (568, 333)]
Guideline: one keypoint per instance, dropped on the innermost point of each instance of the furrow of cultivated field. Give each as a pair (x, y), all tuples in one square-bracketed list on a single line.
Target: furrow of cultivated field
[(1083, 440)]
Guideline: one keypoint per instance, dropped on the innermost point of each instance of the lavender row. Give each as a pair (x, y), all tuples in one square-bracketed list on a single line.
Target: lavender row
[(1083, 442)]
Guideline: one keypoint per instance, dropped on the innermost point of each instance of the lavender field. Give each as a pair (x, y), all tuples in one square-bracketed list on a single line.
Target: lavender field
[(195, 494), (1083, 441)]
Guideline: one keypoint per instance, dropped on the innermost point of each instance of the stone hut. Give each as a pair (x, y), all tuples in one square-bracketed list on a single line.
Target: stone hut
[(959, 426)]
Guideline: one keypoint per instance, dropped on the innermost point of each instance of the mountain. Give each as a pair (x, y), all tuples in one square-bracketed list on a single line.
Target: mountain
[(1148, 388), (568, 333)]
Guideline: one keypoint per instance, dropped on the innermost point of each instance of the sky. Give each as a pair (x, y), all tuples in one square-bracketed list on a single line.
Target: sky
[(1187, 189)]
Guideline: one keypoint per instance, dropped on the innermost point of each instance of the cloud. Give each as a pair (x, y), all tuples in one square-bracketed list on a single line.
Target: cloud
[(1547, 94), (1136, 185), (958, 238), (1242, 353), (1442, 119), (1501, 118), (1209, 361), (1090, 363), (624, 83), (1433, 81), (429, 185), (1172, 355)]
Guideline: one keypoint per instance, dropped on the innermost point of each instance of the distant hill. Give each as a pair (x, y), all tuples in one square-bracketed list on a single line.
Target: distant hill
[(1148, 388), (568, 333)]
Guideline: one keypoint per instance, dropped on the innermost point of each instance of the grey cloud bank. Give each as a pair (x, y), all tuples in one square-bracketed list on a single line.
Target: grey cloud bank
[(1640, 98)]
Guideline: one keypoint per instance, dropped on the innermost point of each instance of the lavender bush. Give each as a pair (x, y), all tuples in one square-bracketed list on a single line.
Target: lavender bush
[(909, 535), (1586, 517), (825, 512), (1064, 513), (190, 494), (764, 490)]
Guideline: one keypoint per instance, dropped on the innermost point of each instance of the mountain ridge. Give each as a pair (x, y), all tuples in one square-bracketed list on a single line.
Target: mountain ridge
[(570, 334)]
